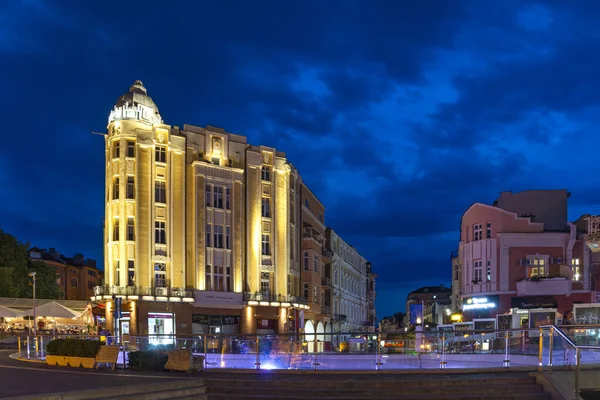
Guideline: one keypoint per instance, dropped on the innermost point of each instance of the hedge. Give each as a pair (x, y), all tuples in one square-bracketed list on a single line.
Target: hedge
[(73, 348)]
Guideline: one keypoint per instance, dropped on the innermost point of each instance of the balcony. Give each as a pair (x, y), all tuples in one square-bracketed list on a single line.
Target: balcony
[(325, 281), (340, 317), (274, 300), (593, 236), (327, 253), (326, 310), (170, 294), (312, 233), (544, 286)]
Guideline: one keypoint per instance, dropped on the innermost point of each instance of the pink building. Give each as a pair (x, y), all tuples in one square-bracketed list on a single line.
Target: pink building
[(526, 257)]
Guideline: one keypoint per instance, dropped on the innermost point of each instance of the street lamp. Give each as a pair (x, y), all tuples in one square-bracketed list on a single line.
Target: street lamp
[(32, 275)]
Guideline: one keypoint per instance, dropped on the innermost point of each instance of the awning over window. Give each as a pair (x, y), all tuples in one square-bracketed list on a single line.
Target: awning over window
[(529, 302)]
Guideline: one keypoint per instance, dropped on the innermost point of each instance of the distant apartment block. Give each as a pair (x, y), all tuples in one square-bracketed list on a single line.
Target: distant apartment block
[(521, 252), (76, 276)]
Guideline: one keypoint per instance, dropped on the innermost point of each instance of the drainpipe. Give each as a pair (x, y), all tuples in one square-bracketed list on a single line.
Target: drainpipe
[(569, 255)]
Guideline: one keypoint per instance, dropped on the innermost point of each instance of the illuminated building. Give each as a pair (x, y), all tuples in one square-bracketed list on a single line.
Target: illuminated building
[(521, 253), (201, 229)]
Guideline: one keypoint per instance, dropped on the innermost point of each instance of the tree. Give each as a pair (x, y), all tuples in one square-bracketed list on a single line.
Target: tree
[(14, 267)]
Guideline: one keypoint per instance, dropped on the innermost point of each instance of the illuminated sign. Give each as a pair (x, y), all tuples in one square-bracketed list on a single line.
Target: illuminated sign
[(455, 317), (479, 303)]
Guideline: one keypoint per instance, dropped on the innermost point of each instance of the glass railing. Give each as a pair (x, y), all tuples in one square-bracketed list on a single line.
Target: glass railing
[(337, 351), (570, 348)]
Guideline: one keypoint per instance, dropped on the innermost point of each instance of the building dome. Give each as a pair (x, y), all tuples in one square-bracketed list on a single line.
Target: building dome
[(135, 104)]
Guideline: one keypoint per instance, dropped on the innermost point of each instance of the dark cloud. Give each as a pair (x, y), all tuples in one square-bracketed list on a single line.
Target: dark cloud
[(399, 115)]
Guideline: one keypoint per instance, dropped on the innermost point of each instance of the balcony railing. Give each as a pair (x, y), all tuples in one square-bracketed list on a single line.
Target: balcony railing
[(326, 310), (340, 317), (544, 286), (326, 253), (142, 291), (325, 281), (312, 233), (266, 296)]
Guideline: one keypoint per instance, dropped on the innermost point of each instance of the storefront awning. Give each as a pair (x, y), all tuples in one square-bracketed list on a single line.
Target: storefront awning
[(529, 302)]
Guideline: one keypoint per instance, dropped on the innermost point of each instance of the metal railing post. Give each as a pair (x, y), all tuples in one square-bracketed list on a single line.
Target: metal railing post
[(28, 348), (551, 344), (316, 349), (541, 350), (41, 346), (36, 347), (378, 362), (205, 352), (19, 346), (443, 359), (577, 365), (257, 363), (506, 345)]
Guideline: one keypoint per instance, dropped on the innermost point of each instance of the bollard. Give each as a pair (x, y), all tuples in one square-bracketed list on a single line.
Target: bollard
[(506, 362), (541, 351), (257, 363)]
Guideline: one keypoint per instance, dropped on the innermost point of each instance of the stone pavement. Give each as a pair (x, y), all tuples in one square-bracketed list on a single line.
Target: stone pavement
[(18, 378)]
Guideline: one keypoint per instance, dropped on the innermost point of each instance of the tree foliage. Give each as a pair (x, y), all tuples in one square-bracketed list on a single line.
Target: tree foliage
[(14, 269)]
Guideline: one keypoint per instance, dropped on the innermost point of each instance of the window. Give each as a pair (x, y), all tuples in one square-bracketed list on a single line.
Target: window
[(292, 245), (576, 269), (488, 230), (227, 198), (130, 148), (218, 237), (477, 232), (160, 192), (207, 195), (266, 207), (266, 246), (116, 230), (265, 283), (265, 173), (91, 285), (130, 194), (117, 273), (306, 291), (477, 271), (321, 217), (74, 282), (208, 277), (306, 261), (130, 273), (91, 273), (161, 154), (160, 232), (227, 237), (115, 188), (208, 233), (160, 275), (216, 160), (218, 197), (130, 229), (117, 150), (306, 203), (315, 295), (316, 263), (489, 274)]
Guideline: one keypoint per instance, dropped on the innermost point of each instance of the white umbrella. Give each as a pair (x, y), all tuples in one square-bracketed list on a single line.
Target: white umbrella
[(6, 312), (54, 310)]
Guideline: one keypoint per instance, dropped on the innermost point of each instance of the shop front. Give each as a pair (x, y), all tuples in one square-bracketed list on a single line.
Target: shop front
[(480, 307)]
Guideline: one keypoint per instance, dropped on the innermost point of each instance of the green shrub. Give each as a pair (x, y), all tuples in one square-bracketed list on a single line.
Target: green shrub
[(73, 348), (151, 360)]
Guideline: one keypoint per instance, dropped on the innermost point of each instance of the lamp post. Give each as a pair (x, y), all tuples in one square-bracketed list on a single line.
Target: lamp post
[(32, 275)]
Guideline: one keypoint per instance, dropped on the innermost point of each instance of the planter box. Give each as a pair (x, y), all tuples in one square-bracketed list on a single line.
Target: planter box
[(76, 362)]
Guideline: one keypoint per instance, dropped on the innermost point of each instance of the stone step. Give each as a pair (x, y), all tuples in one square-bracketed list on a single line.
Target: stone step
[(122, 392), (168, 394), (292, 396), (423, 381), (377, 393)]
